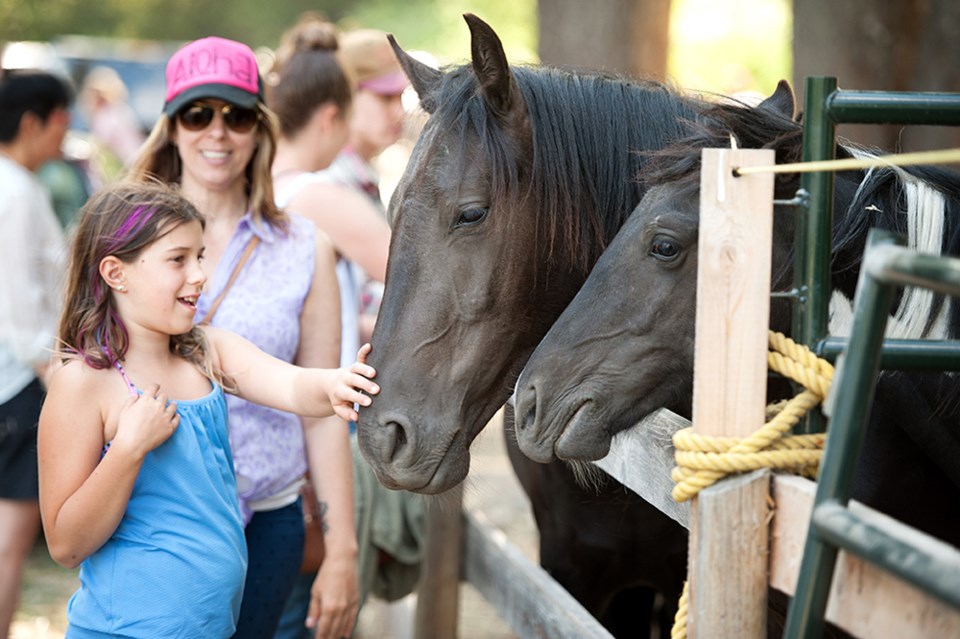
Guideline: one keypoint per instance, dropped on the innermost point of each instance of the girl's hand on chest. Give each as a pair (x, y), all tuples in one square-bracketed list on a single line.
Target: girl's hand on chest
[(145, 421)]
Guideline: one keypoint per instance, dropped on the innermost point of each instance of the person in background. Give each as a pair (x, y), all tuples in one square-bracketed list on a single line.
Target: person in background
[(34, 119), (311, 96), (310, 91), (216, 138), (113, 123), (376, 123)]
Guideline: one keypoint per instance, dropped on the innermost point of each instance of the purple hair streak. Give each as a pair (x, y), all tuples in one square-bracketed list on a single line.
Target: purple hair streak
[(134, 222)]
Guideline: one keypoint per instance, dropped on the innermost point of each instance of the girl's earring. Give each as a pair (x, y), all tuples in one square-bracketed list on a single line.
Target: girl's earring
[(121, 288)]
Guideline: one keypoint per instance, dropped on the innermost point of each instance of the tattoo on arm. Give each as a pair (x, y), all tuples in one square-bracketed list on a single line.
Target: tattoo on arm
[(323, 506)]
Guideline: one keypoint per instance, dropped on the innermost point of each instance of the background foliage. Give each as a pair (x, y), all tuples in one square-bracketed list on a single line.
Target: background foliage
[(420, 24), (716, 45)]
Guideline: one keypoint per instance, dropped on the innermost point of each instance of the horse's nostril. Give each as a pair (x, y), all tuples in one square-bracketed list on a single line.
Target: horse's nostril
[(399, 438), (529, 416)]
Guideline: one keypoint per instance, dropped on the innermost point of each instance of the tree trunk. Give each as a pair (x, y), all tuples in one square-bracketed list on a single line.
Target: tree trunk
[(621, 36), (882, 45)]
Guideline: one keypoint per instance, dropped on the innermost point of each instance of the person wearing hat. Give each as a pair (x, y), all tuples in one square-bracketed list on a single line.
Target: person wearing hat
[(376, 123), (377, 119), (273, 276)]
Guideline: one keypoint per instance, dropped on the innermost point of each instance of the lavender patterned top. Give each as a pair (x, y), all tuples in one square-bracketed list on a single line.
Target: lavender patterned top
[(264, 306)]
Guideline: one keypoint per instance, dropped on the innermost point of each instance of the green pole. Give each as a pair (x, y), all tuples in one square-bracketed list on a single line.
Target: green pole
[(814, 232), (854, 382)]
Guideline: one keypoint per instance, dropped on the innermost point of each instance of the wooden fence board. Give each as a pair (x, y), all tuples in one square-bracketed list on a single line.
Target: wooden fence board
[(523, 594), (728, 527), (438, 593), (648, 447), (865, 600)]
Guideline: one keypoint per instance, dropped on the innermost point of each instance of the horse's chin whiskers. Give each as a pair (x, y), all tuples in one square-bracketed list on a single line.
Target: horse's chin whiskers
[(588, 475)]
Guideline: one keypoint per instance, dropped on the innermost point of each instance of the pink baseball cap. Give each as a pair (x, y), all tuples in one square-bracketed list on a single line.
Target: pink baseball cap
[(369, 58), (389, 84), (213, 68)]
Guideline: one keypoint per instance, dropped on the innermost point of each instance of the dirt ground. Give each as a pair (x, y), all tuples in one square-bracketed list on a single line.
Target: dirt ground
[(491, 487)]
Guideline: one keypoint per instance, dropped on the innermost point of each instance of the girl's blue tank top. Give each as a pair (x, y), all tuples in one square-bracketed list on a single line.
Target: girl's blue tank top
[(175, 566)]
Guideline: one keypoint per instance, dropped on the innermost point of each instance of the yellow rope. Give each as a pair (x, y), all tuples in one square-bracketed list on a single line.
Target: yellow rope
[(702, 461), (679, 630)]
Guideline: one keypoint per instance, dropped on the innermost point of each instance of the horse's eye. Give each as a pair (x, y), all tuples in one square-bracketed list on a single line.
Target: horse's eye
[(471, 217), (665, 249)]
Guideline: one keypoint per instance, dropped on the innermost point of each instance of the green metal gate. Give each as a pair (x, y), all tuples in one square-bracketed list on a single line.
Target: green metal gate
[(887, 266)]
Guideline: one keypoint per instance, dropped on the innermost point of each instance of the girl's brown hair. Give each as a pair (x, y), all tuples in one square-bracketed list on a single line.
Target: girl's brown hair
[(122, 220), (307, 74), (159, 159)]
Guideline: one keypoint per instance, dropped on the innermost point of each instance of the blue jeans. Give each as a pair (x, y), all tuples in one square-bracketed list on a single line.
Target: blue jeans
[(295, 612), (274, 553)]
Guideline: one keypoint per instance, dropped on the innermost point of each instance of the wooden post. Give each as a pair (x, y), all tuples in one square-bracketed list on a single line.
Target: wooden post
[(438, 593), (729, 523)]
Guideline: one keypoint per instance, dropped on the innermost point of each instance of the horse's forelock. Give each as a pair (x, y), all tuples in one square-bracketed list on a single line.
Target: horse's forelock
[(586, 129), (714, 126)]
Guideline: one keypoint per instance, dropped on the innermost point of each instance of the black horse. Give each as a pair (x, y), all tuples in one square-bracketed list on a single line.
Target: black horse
[(625, 345), (519, 180)]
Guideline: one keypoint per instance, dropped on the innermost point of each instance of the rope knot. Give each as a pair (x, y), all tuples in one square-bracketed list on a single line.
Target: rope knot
[(703, 461)]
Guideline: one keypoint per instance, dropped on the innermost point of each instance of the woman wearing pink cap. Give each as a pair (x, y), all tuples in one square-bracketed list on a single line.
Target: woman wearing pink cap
[(275, 272)]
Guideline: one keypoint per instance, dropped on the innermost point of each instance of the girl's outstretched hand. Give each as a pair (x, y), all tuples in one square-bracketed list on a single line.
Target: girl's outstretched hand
[(146, 422), (351, 383)]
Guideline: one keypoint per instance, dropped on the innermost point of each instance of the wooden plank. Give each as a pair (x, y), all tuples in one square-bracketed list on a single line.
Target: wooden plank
[(438, 593), (732, 554), (641, 459), (733, 293), (728, 531), (865, 600), (522, 593)]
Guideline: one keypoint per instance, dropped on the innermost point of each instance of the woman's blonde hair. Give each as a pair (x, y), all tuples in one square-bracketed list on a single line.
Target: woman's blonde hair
[(122, 221), (159, 159)]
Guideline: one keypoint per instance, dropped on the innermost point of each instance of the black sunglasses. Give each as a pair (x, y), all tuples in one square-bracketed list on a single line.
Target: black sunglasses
[(198, 116)]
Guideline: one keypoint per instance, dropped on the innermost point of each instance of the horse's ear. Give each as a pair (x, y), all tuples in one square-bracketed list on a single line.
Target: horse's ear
[(497, 84), (424, 78), (782, 101)]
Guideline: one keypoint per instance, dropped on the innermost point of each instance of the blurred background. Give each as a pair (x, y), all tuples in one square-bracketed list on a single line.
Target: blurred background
[(719, 46), (727, 46)]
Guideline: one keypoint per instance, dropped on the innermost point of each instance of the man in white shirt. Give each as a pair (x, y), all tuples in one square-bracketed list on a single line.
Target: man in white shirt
[(33, 122)]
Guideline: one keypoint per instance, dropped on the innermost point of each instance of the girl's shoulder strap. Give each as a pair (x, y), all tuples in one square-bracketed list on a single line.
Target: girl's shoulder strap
[(123, 373)]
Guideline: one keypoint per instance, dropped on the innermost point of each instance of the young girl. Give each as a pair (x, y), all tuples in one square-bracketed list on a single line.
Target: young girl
[(136, 478), (216, 139)]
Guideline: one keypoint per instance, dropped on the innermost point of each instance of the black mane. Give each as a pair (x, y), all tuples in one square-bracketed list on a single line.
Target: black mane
[(757, 128), (577, 120), (716, 126)]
